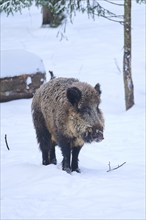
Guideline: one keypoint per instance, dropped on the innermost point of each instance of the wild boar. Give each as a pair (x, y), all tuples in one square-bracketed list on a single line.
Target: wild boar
[(66, 113)]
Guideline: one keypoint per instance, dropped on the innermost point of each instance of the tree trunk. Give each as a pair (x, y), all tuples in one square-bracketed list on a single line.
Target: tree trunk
[(46, 15), (52, 14), (127, 75)]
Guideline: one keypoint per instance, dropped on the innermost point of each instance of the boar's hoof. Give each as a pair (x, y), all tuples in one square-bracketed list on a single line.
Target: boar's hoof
[(76, 170), (53, 161), (66, 166), (68, 170), (45, 162)]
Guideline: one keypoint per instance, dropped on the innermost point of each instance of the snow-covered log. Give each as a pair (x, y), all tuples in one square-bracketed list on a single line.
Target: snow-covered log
[(21, 86), (21, 74)]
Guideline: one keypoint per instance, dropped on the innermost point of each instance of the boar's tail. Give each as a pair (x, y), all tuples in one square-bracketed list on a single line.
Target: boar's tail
[(52, 74)]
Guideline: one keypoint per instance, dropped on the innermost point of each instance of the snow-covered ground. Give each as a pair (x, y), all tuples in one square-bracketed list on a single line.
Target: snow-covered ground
[(92, 53)]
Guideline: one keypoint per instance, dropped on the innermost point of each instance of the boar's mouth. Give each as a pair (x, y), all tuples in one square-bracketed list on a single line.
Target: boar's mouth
[(96, 136)]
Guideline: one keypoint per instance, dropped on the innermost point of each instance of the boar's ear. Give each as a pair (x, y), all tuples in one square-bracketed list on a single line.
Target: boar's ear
[(97, 88), (74, 95)]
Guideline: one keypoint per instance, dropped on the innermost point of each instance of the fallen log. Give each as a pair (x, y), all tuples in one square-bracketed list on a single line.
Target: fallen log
[(20, 86), (22, 72)]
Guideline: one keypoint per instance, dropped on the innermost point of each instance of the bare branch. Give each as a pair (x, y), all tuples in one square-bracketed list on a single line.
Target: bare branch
[(116, 16), (93, 8), (6, 142), (118, 68), (121, 22), (111, 169), (109, 166), (113, 3)]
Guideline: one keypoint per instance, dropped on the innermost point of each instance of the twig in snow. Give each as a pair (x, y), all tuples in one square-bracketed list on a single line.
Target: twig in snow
[(6, 142), (109, 164), (111, 169)]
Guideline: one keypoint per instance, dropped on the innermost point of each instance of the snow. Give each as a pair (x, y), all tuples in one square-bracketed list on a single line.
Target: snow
[(29, 81), (23, 62), (93, 53)]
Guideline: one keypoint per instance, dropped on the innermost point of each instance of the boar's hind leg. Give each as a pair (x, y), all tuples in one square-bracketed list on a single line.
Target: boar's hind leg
[(43, 137), (75, 154)]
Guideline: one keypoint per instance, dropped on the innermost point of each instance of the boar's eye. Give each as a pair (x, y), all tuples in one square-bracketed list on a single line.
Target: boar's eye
[(74, 95)]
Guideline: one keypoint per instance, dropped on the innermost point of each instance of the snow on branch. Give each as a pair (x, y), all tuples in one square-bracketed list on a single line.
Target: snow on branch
[(111, 169), (11, 6)]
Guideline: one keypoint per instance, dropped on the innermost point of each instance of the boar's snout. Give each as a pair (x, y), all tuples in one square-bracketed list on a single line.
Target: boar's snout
[(98, 136), (93, 135)]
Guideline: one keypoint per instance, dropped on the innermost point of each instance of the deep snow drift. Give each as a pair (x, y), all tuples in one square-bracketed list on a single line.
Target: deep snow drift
[(92, 53)]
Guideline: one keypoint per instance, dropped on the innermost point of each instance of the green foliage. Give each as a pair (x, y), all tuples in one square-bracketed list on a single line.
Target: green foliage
[(11, 6), (59, 9), (93, 8), (56, 8), (50, 3)]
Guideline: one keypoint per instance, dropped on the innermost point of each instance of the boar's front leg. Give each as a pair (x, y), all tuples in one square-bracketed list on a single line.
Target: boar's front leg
[(53, 159), (64, 144), (75, 154), (66, 151)]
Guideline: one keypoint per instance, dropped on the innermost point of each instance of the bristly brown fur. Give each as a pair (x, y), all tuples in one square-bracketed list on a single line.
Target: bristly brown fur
[(67, 110)]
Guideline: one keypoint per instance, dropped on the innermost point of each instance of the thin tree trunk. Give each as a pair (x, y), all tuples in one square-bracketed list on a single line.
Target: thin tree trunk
[(127, 75)]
